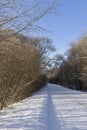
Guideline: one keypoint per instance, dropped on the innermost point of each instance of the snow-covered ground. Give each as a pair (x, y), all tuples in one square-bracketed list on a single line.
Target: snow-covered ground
[(52, 108)]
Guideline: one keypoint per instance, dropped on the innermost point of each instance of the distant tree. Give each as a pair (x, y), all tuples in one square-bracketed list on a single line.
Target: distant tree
[(44, 46)]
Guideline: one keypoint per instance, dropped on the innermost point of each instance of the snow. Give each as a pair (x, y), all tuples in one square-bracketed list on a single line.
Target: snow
[(52, 108)]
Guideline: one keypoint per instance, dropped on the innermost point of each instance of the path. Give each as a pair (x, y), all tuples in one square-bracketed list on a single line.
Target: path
[(52, 108)]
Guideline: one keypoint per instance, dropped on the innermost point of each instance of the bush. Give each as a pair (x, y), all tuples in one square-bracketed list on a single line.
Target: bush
[(20, 72)]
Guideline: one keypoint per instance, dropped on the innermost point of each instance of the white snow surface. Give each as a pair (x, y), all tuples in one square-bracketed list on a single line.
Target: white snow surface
[(52, 108)]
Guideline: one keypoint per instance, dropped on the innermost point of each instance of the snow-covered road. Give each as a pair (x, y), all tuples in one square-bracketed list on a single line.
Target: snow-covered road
[(52, 108)]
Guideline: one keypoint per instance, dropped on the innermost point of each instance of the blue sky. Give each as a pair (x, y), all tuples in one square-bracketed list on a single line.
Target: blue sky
[(67, 25)]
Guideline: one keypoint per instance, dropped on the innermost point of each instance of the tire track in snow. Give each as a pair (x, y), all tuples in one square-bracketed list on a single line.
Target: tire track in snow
[(52, 119)]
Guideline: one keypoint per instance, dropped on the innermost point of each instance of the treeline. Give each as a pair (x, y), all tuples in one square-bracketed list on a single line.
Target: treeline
[(23, 60), (72, 71), (22, 66)]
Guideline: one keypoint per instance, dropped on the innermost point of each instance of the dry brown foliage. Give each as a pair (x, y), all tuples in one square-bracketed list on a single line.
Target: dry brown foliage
[(19, 68)]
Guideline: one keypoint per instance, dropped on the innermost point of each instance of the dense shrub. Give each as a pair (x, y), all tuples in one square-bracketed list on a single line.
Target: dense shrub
[(73, 70), (20, 71)]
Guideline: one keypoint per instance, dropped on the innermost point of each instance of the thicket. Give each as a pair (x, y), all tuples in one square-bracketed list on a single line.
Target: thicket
[(72, 71), (21, 71)]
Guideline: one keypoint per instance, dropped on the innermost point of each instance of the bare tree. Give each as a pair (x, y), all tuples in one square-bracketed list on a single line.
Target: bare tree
[(22, 15), (44, 47)]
